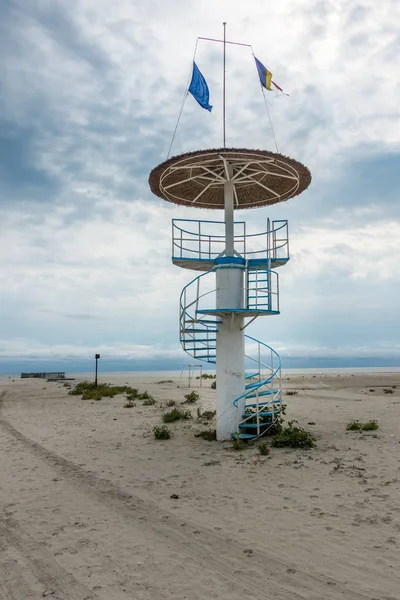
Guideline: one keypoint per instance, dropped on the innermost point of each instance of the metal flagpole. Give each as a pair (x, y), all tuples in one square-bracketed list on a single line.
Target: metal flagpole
[(183, 99), (224, 87)]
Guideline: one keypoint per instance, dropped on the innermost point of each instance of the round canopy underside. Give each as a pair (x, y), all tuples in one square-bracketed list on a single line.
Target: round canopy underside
[(259, 178)]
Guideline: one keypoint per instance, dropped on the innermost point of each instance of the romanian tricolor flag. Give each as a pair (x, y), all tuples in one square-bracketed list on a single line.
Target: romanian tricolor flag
[(264, 75)]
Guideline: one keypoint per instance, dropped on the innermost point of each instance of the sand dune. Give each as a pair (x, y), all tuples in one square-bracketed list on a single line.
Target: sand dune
[(91, 506)]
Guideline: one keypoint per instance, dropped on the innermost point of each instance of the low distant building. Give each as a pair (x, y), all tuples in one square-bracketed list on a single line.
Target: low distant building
[(60, 375)]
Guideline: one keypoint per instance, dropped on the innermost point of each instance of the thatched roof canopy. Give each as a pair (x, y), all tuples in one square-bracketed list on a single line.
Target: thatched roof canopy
[(260, 178)]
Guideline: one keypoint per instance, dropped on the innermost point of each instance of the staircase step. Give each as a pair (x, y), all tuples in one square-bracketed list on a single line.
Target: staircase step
[(254, 425), (198, 345), (207, 357), (250, 375), (255, 384), (199, 349), (197, 340), (212, 321), (192, 340), (265, 380), (262, 414), (263, 404), (266, 393), (205, 330), (243, 436)]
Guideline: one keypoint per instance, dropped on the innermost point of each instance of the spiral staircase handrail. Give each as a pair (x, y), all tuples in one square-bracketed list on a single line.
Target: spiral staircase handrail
[(267, 395)]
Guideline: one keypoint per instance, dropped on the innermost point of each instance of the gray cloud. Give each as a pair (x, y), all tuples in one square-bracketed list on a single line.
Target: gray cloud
[(92, 96)]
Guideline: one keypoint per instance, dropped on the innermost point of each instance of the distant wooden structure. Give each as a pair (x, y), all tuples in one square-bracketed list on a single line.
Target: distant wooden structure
[(60, 375), (191, 370)]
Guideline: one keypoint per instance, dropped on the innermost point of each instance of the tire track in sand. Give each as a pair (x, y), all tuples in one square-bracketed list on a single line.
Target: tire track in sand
[(45, 569)]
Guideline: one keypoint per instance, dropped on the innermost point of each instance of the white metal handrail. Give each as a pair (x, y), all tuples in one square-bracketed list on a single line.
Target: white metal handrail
[(272, 382), (192, 239), (256, 297)]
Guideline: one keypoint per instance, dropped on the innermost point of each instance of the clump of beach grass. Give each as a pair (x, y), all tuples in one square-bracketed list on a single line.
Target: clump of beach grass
[(191, 398), (161, 432), (370, 426), (176, 414), (149, 402), (238, 445), (358, 426), (208, 414), (89, 391), (293, 436), (130, 403), (354, 426), (263, 449)]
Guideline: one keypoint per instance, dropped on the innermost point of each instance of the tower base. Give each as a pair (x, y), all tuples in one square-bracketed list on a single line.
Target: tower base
[(230, 351)]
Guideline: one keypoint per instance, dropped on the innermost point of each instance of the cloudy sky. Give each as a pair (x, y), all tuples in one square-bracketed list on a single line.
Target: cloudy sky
[(89, 97)]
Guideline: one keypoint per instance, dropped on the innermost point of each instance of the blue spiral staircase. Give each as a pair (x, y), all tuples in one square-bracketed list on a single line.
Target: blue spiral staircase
[(199, 319)]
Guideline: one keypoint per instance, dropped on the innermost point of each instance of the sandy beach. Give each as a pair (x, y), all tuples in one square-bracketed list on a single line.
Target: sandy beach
[(93, 507)]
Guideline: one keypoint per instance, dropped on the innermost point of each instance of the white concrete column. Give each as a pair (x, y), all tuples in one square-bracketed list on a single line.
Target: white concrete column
[(229, 222), (230, 351)]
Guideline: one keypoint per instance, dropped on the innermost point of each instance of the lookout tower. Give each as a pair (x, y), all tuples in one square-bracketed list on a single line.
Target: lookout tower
[(237, 282)]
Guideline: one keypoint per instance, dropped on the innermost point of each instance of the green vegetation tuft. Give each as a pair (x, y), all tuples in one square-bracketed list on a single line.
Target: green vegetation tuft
[(149, 402), (238, 445), (214, 385), (208, 414), (170, 403), (176, 414), (370, 426), (354, 426), (89, 391), (357, 426), (191, 398), (293, 436), (208, 434), (263, 449), (291, 392), (161, 432)]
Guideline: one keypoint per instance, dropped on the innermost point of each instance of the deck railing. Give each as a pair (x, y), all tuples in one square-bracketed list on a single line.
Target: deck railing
[(205, 240)]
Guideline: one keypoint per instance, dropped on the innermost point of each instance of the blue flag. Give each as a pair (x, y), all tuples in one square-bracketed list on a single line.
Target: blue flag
[(199, 88)]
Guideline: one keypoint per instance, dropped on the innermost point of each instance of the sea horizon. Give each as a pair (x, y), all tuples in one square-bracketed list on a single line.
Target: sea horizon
[(178, 373)]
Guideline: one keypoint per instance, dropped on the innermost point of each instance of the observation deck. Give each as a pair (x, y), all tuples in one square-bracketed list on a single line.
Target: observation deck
[(197, 245)]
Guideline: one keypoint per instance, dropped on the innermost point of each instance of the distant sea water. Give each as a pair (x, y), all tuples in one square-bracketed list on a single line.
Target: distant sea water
[(176, 374)]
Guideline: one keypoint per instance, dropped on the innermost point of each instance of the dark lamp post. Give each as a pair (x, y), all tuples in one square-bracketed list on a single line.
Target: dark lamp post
[(97, 356)]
